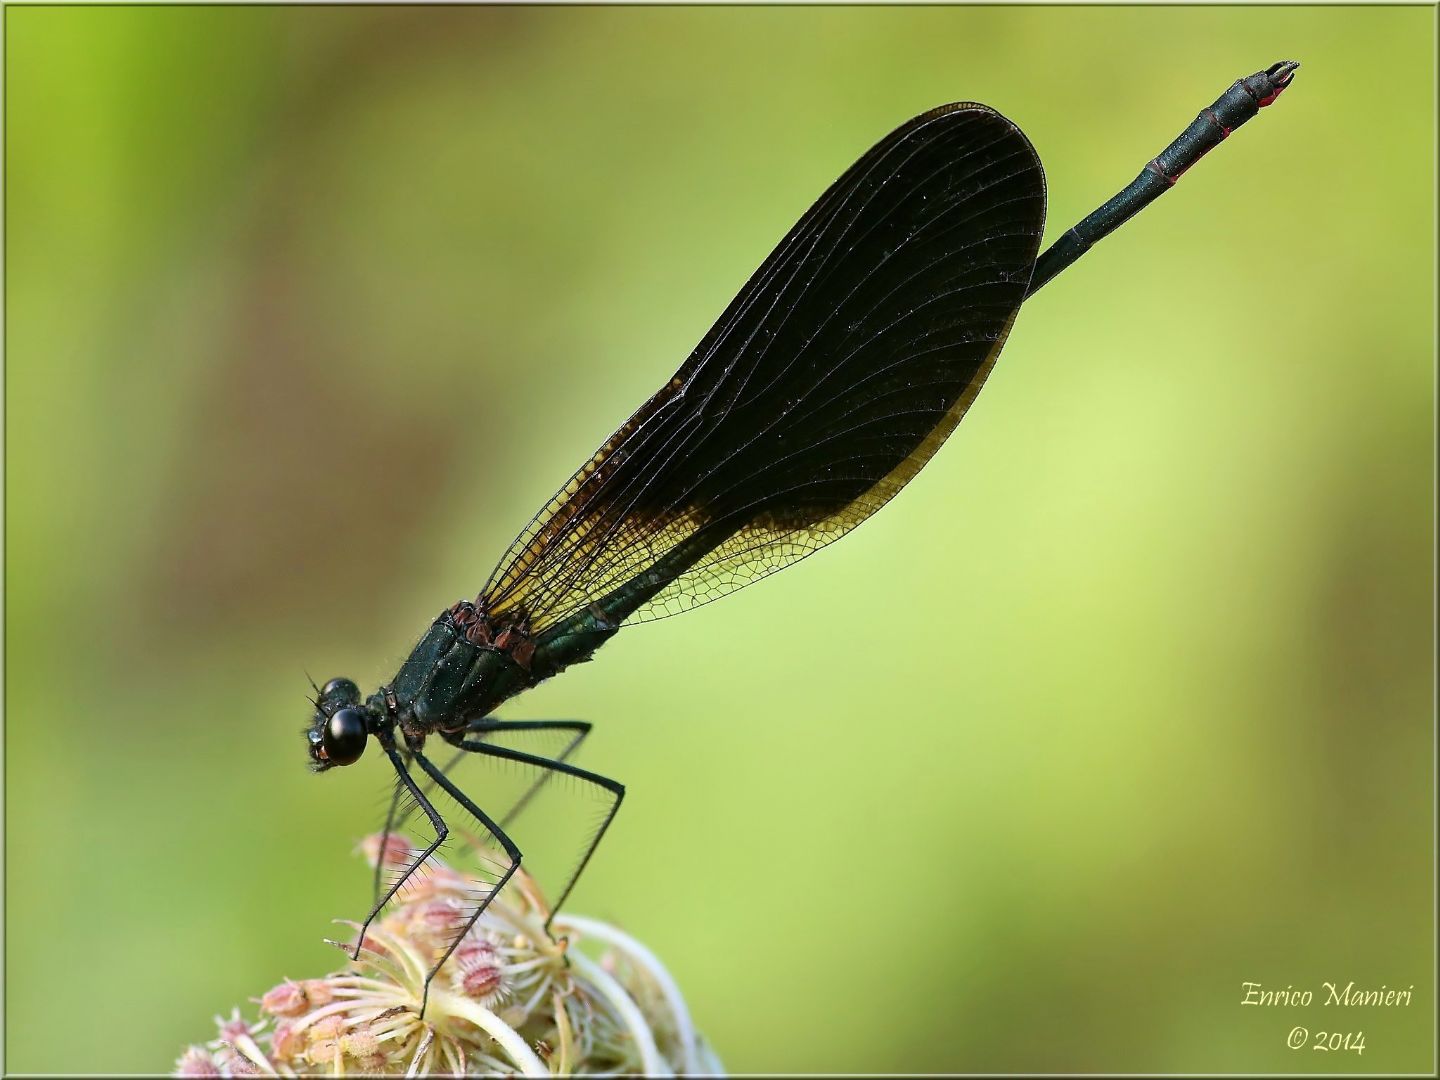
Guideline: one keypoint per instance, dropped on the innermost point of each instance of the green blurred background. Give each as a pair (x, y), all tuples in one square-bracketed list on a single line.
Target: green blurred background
[(1125, 701)]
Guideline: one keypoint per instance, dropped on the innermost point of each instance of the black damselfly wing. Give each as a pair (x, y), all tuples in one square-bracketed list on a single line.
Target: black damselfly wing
[(829, 381)]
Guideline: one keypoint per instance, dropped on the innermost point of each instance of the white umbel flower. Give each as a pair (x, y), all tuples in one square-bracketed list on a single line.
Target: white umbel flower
[(510, 1000)]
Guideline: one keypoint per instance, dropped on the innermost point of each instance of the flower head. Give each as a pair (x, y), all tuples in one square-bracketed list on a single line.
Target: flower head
[(510, 999)]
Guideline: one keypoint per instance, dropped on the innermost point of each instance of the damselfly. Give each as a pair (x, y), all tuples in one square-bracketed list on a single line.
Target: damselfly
[(833, 377)]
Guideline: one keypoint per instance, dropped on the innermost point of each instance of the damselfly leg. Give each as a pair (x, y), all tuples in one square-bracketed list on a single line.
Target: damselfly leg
[(513, 779), (405, 786), (573, 732), (614, 792), (482, 899)]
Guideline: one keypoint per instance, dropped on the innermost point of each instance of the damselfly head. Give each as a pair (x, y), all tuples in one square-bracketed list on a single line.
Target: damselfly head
[(340, 728)]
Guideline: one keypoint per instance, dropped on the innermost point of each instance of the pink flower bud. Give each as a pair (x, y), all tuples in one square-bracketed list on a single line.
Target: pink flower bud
[(287, 999), (237, 1064), (318, 992), (285, 1041), (483, 982), (437, 921), (232, 1028), (196, 1062), (473, 952), (397, 852)]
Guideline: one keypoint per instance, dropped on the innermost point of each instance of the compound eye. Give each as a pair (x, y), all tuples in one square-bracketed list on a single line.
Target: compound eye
[(341, 691), (344, 736)]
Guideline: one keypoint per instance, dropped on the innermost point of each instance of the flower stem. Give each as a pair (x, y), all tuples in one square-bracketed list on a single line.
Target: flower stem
[(651, 1063), (609, 935), (525, 1059)]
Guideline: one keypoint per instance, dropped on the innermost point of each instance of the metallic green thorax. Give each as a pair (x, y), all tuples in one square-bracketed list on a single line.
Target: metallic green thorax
[(449, 681)]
